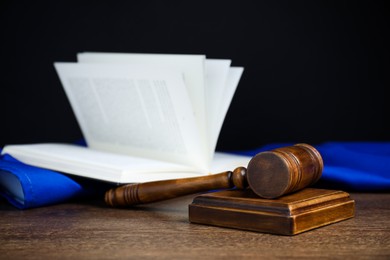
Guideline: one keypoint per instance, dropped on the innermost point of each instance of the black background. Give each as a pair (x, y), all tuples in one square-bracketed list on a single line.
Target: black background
[(315, 71)]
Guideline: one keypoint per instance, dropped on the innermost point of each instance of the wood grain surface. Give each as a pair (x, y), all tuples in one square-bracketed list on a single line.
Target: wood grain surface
[(91, 230)]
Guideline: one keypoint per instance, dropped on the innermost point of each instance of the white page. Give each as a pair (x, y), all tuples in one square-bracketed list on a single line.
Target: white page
[(192, 66), (85, 162), (232, 81), (134, 110), (216, 75), (228, 162), (231, 84)]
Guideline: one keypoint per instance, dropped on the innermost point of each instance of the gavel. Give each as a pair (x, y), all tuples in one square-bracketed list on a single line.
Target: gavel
[(270, 174)]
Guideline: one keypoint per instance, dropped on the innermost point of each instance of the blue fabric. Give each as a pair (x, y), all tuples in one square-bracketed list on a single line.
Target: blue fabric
[(356, 166), (350, 166), (43, 187)]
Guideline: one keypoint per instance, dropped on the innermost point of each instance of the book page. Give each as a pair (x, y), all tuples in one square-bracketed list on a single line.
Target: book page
[(216, 75), (192, 67), (105, 166), (228, 162), (230, 86), (111, 167), (134, 110)]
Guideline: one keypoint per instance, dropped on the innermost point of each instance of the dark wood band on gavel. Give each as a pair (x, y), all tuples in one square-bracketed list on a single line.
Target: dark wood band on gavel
[(269, 174)]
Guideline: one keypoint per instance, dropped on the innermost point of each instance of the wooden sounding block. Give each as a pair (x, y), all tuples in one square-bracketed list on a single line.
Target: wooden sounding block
[(288, 215)]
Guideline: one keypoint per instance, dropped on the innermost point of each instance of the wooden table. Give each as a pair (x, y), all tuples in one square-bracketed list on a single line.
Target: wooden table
[(90, 230)]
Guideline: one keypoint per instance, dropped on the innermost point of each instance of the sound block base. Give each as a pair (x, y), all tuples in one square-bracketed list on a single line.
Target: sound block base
[(288, 215)]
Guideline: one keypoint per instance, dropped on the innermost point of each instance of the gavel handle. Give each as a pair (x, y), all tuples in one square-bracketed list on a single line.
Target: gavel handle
[(133, 194)]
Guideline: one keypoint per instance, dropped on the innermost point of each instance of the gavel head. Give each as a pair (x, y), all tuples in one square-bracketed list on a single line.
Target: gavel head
[(284, 170)]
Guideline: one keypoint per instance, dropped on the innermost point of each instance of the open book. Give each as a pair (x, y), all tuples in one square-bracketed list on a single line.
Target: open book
[(145, 117)]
